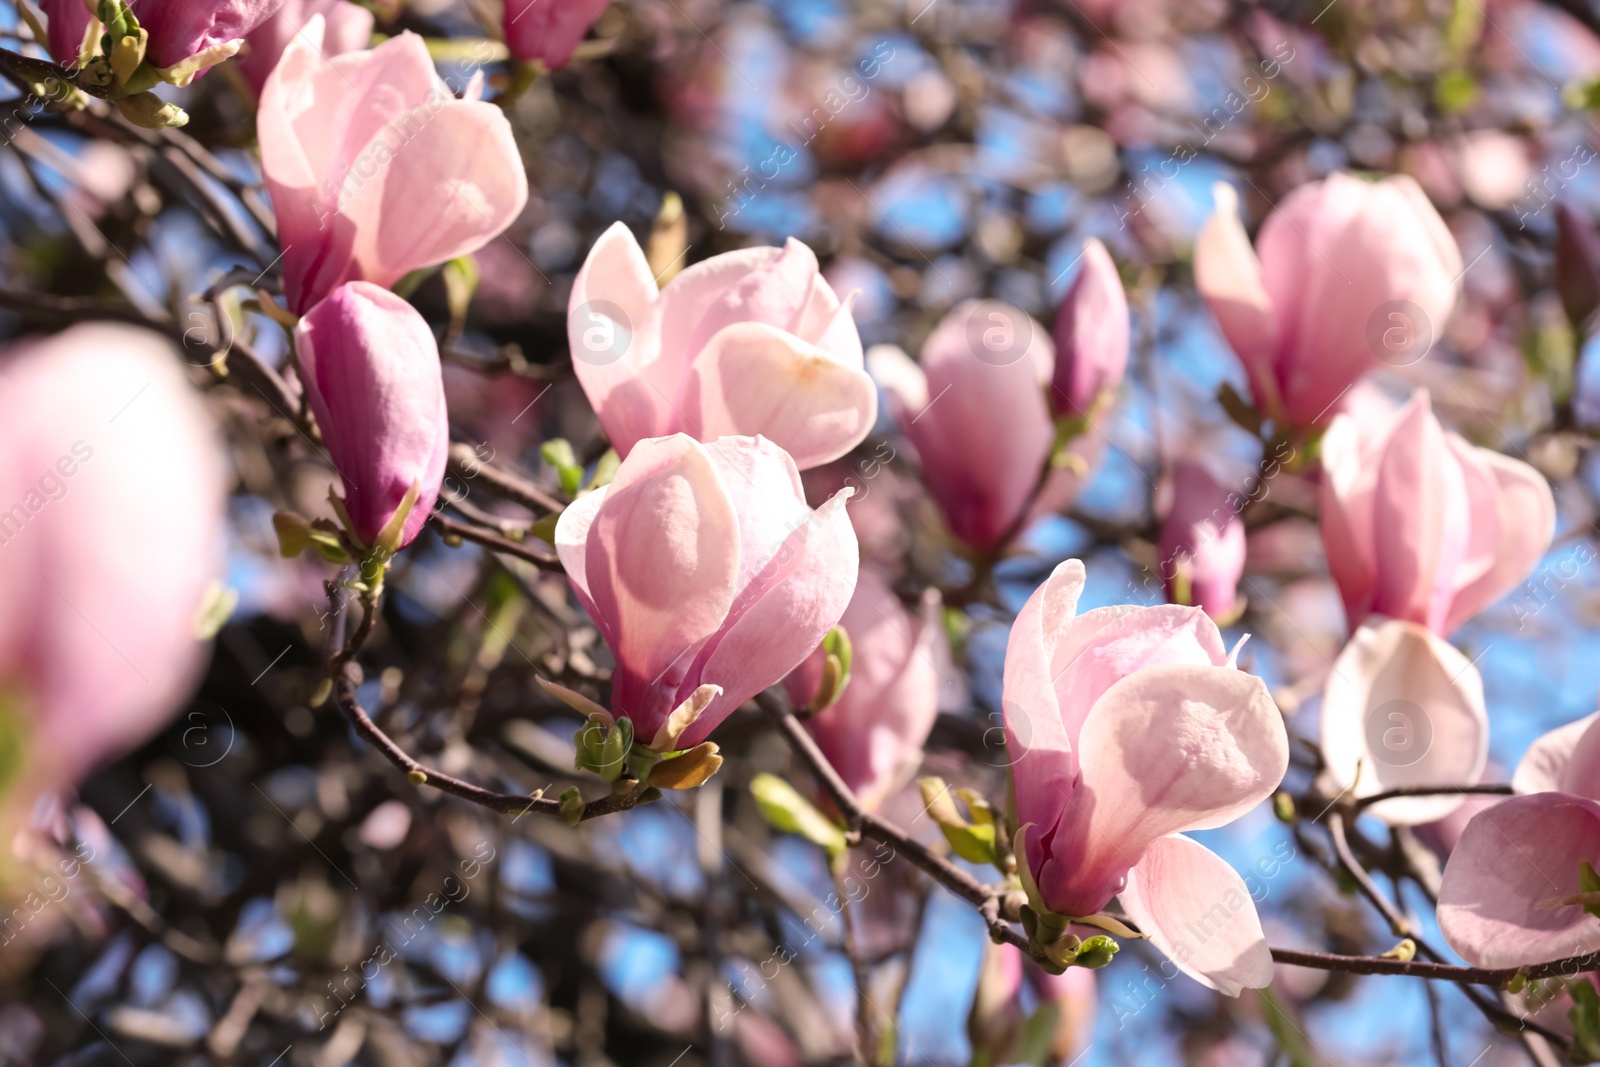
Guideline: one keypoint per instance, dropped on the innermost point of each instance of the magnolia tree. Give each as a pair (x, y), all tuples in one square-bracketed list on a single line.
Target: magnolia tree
[(781, 533)]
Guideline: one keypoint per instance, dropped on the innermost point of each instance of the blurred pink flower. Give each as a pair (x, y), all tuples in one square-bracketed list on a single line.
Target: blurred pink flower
[(701, 565), (347, 28), (1404, 708), (1091, 336), (1075, 995), (975, 410), (1420, 525), (375, 169), (1350, 275), (995, 1020), (1202, 542), (111, 522), (873, 735), (748, 342), (549, 30), (1506, 899), (371, 370), (1127, 726)]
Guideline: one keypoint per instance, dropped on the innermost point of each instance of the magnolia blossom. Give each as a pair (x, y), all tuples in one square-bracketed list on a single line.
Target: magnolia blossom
[(1128, 726), (748, 342), (1074, 993), (1420, 525), (702, 566), (874, 733), (347, 28), (1091, 336), (1508, 906), (975, 410), (180, 30), (1403, 708), (112, 492), (549, 30), (375, 168), (1346, 275), (371, 369), (1202, 542)]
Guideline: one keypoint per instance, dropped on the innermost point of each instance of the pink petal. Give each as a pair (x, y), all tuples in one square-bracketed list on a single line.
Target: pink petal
[(689, 297), (1039, 747), (1407, 709), (797, 573), (1565, 760), (1198, 912), (777, 294), (183, 28), (1511, 858), (752, 378), (1418, 508), (1228, 275), (1349, 483), (611, 321), (348, 29), (373, 381), (661, 563), (67, 28), (1166, 749), (1527, 517), (1203, 539), (549, 30)]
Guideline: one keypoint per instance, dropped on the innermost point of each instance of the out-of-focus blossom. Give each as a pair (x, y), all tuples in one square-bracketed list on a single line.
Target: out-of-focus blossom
[(1074, 993), (1127, 726), (1442, 835), (69, 25), (1346, 275), (874, 733), (1577, 273), (702, 566), (975, 411), (1494, 167), (1510, 893), (1404, 708), (1202, 542), (1565, 760), (1091, 336), (347, 28), (1420, 525), (549, 30), (748, 342), (111, 523), (995, 1021), (373, 380), (375, 169)]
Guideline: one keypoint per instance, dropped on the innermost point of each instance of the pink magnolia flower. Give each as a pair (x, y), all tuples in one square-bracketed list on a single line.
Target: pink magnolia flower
[(1091, 336), (347, 28), (1075, 994), (873, 735), (996, 1018), (1350, 274), (375, 169), (975, 410), (1202, 542), (701, 565), (549, 30), (1128, 726), (112, 498), (748, 342), (1565, 760), (179, 29), (68, 28), (371, 370), (1507, 896), (1403, 708), (1420, 525)]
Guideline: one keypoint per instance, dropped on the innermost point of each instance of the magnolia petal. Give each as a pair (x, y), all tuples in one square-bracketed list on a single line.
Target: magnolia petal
[(898, 375), (572, 543), (661, 560), (775, 294), (1407, 709), (611, 318), (752, 378), (1228, 275), (1511, 858), (1527, 520), (1346, 517), (1417, 480), (1565, 760), (1198, 911)]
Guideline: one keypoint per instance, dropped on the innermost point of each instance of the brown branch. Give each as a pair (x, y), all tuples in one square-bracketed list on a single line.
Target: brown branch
[(1490, 789), (464, 463), (489, 539)]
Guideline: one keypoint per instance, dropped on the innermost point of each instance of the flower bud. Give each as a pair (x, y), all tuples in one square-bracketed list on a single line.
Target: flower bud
[(1091, 335), (371, 371)]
